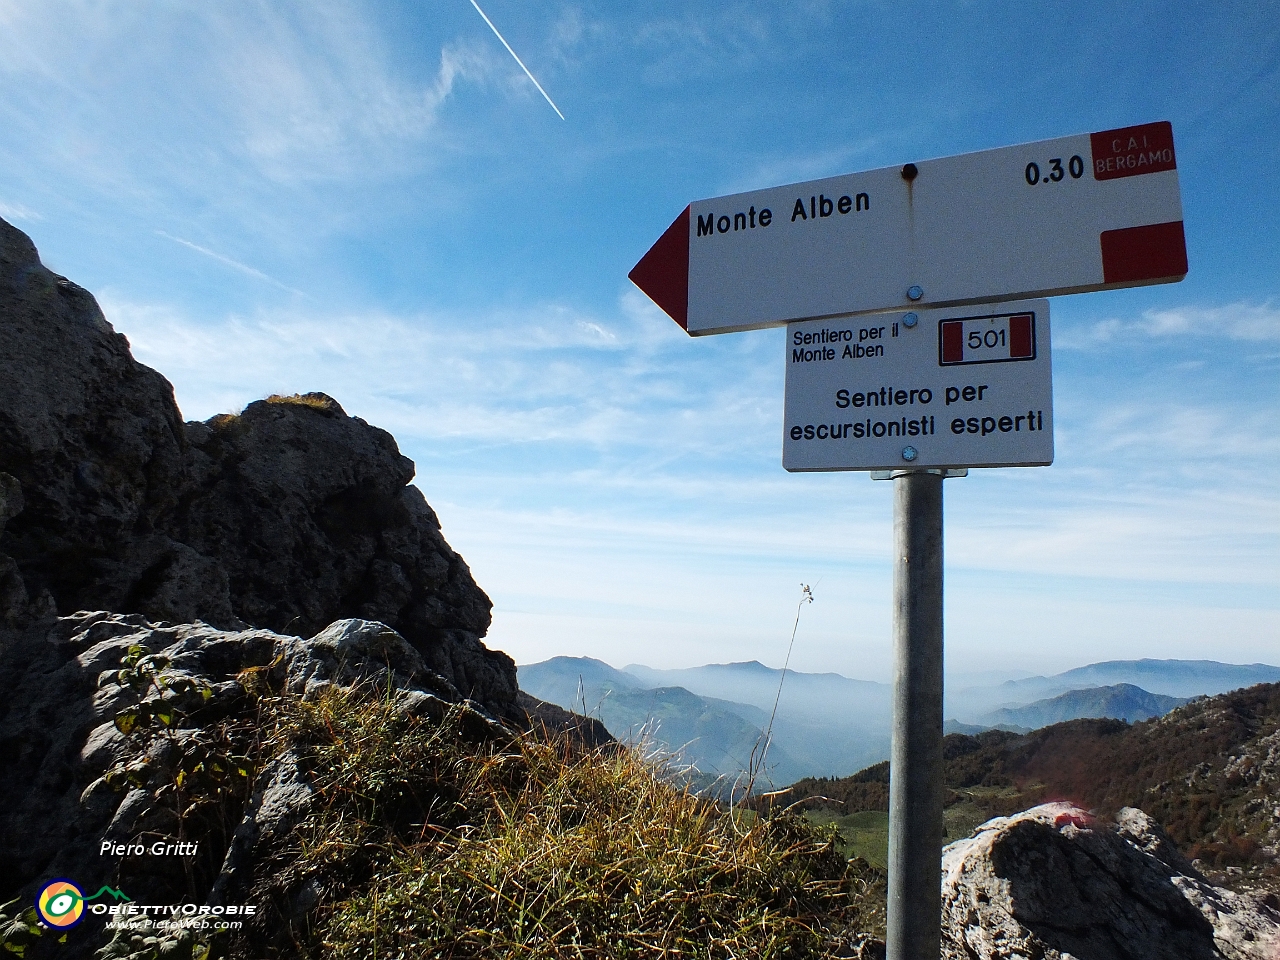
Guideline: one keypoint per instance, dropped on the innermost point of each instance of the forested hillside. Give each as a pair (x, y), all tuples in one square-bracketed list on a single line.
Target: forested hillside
[(1209, 772)]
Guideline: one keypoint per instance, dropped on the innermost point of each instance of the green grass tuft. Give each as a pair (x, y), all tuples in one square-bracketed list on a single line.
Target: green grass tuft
[(317, 401)]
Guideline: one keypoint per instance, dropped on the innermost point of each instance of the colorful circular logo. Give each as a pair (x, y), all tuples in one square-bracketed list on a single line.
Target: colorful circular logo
[(60, 904)]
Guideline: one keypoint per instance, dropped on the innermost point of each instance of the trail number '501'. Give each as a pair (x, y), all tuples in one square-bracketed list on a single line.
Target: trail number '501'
[(1075, 167), (991, 338), (994, 338)]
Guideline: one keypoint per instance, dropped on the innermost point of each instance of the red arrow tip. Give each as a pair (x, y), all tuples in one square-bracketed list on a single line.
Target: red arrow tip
[(663, 272)]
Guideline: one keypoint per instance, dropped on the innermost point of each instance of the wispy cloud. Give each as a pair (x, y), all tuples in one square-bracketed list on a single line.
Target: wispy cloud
[(545, 375), (702, 40), (252, 91), (16, 211), (317, 96), (1252, 322), (795, 168), (1155, 535)]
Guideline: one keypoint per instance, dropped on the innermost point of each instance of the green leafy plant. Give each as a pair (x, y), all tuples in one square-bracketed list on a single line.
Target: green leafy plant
[(198, 767), (135, 945), (148, 673), (19, 928)]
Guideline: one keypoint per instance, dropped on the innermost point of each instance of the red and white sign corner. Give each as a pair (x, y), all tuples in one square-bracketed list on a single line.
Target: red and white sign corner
[(663, 272)]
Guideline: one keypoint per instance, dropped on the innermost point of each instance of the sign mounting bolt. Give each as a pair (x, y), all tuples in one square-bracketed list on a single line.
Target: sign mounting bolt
[(915, 292), (909, 454), (910, 320)]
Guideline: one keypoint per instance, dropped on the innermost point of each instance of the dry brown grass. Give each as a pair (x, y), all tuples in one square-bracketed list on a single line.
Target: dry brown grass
[(317, 401), (435, 844)]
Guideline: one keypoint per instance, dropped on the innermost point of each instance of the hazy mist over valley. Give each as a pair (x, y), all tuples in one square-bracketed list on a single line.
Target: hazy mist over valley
[(715, 715)]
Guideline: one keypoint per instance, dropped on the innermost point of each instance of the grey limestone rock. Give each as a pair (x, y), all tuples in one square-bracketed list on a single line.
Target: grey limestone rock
[(14, 603), (1053, 883), (288, 516), (92, 437)]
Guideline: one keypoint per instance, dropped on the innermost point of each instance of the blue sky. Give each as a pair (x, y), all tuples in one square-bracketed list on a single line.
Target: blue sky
[(372, 200)]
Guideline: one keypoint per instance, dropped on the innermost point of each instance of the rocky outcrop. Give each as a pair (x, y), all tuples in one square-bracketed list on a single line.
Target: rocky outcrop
[(80, 788), (311, 514), (1052, 883), (554, 720), (286, 517)]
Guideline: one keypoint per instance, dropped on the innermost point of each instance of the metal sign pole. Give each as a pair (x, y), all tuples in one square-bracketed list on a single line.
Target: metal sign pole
[(915, 766)]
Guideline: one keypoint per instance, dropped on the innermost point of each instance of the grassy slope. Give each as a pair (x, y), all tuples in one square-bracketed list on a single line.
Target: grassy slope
[(430, 843)]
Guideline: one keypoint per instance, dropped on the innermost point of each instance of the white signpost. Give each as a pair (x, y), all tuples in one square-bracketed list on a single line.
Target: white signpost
[(1087, 212), (952, 387), (955, 375)]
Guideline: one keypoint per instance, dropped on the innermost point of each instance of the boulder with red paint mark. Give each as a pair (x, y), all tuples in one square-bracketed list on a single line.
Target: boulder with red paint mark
[(1053, 883)]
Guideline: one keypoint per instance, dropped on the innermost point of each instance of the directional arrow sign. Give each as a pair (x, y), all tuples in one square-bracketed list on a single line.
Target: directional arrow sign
[(1088, 212), (966, 386)]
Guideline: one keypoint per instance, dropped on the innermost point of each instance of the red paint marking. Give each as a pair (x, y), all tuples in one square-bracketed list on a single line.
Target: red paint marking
[(1155, 252), (1074, 819), (663, 272), (952, 341), (1133, 151), (1021, 342)]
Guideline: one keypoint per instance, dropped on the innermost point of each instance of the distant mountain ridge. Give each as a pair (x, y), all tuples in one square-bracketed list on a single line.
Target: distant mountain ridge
[(716, 714), (1175, 678), (829, 725), (565, 681), (720, 737), (1123, 701), (1171, 678), (824, 721), (811, 695)]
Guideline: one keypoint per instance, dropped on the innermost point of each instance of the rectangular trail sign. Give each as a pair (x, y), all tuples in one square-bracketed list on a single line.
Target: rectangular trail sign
[(1088, 212), (966, 386)]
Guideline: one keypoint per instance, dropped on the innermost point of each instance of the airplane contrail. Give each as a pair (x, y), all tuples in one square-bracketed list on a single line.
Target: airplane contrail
[(518, 60), (234, 264)]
